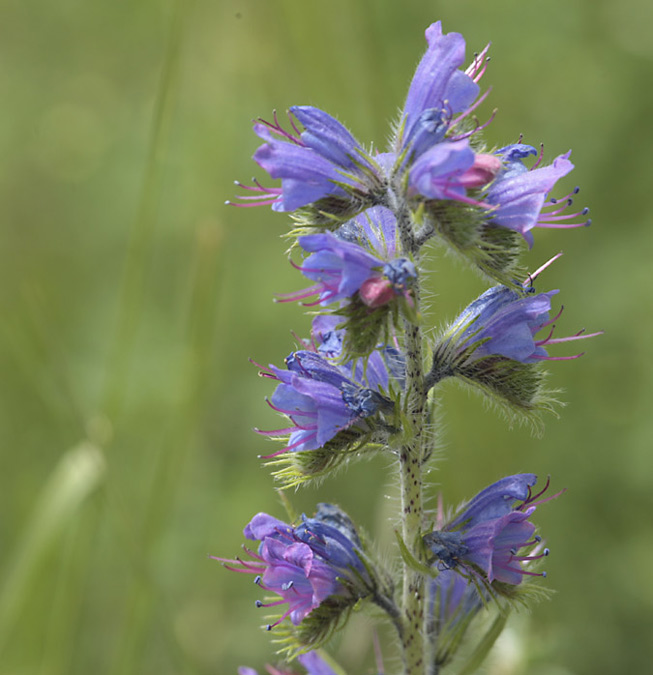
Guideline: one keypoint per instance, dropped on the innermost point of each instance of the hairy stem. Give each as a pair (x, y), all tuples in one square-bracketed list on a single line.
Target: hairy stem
[(411, 461)]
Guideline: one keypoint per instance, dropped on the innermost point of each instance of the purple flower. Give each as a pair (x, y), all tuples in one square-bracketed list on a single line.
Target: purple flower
[(312, 662), (339, 267), (518, 195), (323, 160), (359, 258), (504, 321), (485, 538), (434, 173), (307, 564), (321, 400), (439, 89), (447, 170), (441, 164)]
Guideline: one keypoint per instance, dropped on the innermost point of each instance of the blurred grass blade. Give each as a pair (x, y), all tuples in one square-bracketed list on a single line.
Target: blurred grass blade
[(144, 225), (77, 474), (483, 648)]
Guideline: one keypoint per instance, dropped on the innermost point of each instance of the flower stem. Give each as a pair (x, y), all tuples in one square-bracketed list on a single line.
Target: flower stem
[(411, 461)]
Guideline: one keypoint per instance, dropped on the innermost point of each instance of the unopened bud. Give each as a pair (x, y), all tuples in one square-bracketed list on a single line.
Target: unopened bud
[(376, 292), (483, 171)]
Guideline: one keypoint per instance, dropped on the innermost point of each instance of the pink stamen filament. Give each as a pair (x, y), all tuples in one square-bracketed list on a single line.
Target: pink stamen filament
[(291, 118), (241, 571), (292, 446), (304, 344), (279, 432), (319, 270), (478, 127), (478, 66), (561, 207), (263, 202), (539, 343), (254, 555), (264, 369), (270, 626), (531, 497), (271, 604), (562, 226), (254, 198), (268, 196), (333, 273), (546, 499), (257, 187), (517, 568), (225, 560), (472, 107), (277, 129), (541, 269), (538, 159), (575, 191), (524, 558), (481, 72), (558, 358), (553, 320), (558, 215), (324, 297), (272, 455), (247, 566), (570, 338), (300, 295), (467, 200), (552, 218)]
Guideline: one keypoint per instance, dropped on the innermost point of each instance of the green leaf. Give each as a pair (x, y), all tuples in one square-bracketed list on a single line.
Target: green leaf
[(411, 561)]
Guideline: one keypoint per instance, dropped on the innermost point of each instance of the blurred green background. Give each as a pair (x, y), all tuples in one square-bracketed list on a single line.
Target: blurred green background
[(132, 298)]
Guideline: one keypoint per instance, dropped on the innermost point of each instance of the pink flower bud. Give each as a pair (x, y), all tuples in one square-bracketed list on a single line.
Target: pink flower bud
[(482, 172), (376, 292)]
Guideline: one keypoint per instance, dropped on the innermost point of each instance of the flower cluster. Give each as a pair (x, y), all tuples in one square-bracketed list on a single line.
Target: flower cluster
[(308, 564), (433, 159), (321, 400), (359, 258), (335, 406), (484, 540), (504, 321), (493, 343)]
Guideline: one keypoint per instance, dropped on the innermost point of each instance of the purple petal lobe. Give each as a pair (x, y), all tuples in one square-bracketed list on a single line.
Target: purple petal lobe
[(434, 174), (519, 195), (328, 137), (496, 500)]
